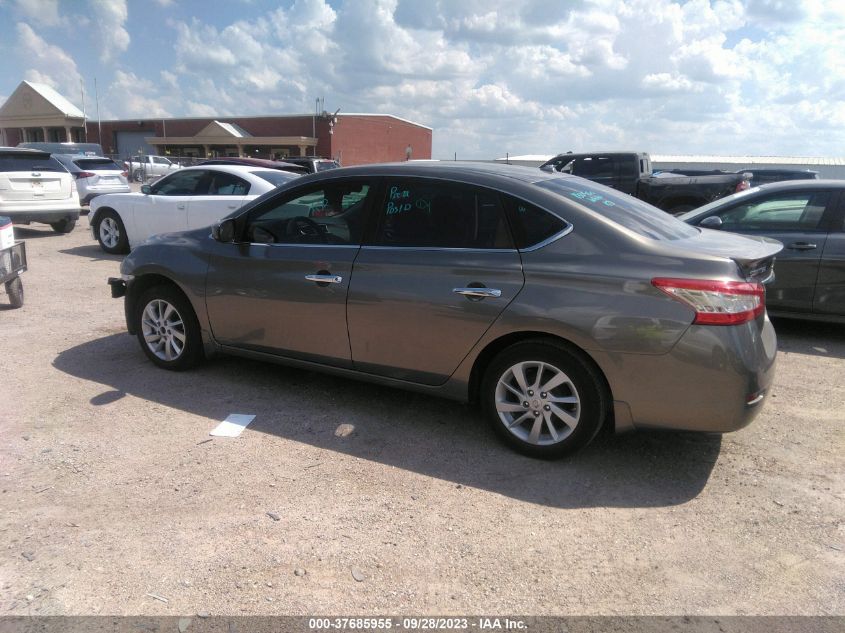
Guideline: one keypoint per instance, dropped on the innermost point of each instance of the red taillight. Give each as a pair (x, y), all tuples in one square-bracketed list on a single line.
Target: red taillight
[(85, 174), (717, 302)]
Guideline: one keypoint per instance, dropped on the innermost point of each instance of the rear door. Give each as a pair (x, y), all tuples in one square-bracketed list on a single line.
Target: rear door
[(438, 269), (799, 220)]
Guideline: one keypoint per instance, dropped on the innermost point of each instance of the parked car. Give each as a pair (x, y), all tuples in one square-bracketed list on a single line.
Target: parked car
[(191, 198), (630, 172), (313, 164), (477, 282), (808, 216), (257, 162), (95, 175), (143, 168), (35, 187), (85, 149)]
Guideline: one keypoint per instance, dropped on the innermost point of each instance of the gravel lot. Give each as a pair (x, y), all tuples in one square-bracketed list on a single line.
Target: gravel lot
[(114, 495)]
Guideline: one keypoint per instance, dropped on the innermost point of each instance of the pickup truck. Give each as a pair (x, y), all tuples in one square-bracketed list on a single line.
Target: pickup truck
[(142, 168), (630, 172)]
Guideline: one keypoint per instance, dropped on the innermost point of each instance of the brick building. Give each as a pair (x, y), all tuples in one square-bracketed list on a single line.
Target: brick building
[(35, 112)]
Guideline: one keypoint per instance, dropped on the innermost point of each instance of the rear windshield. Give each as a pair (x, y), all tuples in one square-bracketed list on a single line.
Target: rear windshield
[(97, 164), (323, 165), (635, 215), (275, 177), (18, 162)]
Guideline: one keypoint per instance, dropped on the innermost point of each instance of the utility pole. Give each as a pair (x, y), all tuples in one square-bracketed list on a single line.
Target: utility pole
[(99, 123), (84, 115)]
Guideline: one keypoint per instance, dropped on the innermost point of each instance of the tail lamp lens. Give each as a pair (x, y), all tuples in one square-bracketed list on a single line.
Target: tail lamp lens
[(717, 302)]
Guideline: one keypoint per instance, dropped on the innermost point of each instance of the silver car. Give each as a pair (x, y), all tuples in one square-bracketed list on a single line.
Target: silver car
[(95, 175), (556, 303)]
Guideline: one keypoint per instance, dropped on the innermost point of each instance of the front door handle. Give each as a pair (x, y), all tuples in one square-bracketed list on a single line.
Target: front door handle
[(478, 293), (181, 205), (325, 279), (801, 246)]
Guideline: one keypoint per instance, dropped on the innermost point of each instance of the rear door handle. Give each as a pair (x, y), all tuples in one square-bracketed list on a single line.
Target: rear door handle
[(325, 279), (478, 293), (801, 246)]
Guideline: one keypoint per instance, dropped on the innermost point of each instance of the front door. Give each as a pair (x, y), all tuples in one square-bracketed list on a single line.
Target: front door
[(165, 208), (282, 287), (223, 194), (439, 269)]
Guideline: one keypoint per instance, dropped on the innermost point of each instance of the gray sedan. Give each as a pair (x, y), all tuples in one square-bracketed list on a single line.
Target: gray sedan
[(556, 303), (808, 216)]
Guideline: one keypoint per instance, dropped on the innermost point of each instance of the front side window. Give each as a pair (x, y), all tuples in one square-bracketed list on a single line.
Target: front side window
[(327, 214), (161, 161), (422, 213), (182, 183), (786, 212), (593, 167)]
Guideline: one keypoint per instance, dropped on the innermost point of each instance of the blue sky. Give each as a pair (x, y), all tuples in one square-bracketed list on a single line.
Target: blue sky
[(759, 77)]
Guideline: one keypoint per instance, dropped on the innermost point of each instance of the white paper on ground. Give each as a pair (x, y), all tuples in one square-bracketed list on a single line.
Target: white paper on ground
[(232, 426)]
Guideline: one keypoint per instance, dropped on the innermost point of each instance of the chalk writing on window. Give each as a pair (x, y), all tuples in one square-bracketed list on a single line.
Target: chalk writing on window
[(592, 196)]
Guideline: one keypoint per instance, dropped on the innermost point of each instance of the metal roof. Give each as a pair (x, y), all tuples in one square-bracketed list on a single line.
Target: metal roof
[(747, 160), (56, 100)]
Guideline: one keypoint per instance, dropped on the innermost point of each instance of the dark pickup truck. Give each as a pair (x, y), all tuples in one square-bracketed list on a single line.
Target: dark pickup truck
[(630, 172)]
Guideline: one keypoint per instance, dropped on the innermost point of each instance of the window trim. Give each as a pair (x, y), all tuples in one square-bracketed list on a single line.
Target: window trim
[(566, 230)]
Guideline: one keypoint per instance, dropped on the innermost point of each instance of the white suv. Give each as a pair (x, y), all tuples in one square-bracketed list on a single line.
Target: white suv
[(35, 187)]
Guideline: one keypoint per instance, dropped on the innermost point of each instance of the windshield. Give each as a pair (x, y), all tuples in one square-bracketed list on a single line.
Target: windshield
[(635, 215), (275, 176)]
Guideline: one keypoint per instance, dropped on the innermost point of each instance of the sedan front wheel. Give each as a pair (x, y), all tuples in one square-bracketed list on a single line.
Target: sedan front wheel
[(543, 399), (168, 329)]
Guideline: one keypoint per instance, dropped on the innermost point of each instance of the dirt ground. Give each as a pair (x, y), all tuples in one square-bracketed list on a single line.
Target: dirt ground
[(114, 499)]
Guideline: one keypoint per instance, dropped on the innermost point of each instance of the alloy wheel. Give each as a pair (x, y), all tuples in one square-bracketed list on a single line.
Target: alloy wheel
[(109, 232), (537, 403), (163, 330)]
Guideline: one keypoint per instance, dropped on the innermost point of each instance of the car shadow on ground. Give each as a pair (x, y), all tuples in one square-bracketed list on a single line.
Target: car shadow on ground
[(37, 231), (810, 337), (92, 252), (422, 434)]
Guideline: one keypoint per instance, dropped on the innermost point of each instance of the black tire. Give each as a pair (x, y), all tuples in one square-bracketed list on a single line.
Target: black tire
[(115, 224), (138, 175), (544, 359), (181, 320), (63, 226), (14, 288)]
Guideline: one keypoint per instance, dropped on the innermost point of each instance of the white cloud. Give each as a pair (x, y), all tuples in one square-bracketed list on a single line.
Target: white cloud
[(41, 12), (109, 25), (47, 63)]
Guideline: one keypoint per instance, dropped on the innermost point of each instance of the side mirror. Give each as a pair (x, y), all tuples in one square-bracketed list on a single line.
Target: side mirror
[(224, 231), (713, 222), (146, 189)]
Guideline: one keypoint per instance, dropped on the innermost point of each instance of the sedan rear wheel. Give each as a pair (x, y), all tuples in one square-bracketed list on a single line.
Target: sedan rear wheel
[(543, 399), (168, 329)]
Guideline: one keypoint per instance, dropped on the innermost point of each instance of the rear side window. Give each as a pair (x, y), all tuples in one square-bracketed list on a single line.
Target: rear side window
[(627, 211), (13, 162), (422, 213), (532, 225), (97, 164), (275, 176)]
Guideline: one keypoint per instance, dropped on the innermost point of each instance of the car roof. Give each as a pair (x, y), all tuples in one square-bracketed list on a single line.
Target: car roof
[(232, 169), (439, 169), (23, 151)]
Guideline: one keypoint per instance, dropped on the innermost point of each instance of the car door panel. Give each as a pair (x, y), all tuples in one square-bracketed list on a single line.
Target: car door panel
[(258, 298), (407, 321), (830, 284)]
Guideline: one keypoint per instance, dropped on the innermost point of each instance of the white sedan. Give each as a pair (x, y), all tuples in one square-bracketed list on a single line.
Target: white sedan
[(188, 199)]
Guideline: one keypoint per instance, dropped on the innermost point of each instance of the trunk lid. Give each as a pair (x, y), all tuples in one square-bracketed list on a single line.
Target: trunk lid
[(755, 256)]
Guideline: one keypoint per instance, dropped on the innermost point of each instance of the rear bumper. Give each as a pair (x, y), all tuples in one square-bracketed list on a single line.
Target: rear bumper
[(47, 216), (715, 379)]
